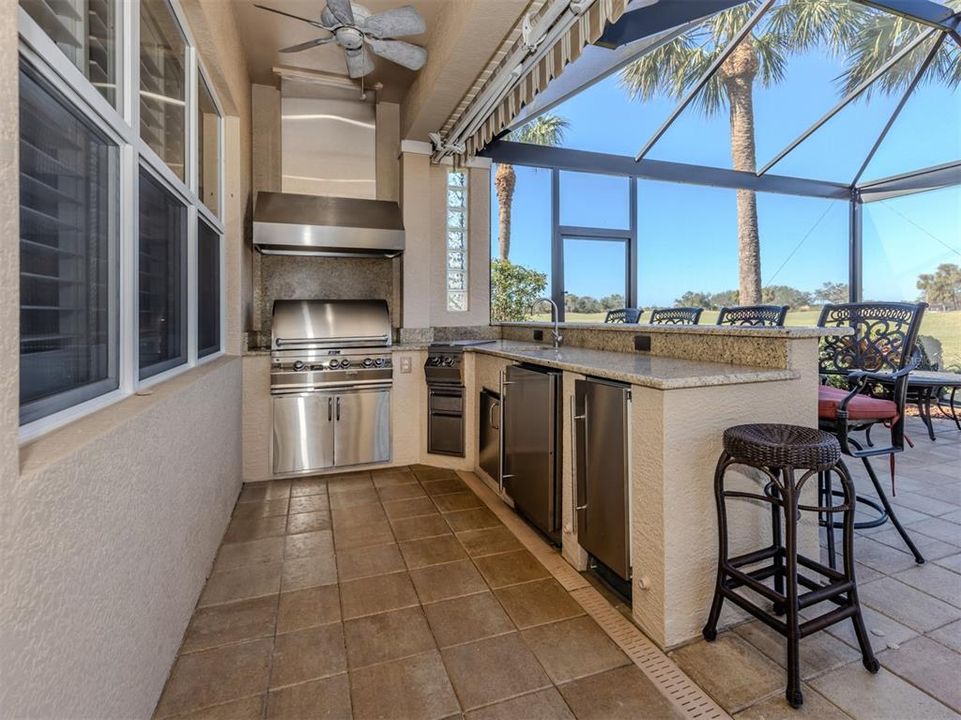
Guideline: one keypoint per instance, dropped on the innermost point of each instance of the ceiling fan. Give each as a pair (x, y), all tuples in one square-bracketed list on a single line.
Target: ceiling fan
[(355, 29)]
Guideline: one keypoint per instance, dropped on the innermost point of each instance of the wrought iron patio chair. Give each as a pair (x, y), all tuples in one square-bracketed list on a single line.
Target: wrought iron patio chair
[(869, 370), (623, 315), (675, 316), (753, 315)]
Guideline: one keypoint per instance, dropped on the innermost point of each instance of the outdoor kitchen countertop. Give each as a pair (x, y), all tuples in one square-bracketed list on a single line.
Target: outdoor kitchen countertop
[(662, 373)]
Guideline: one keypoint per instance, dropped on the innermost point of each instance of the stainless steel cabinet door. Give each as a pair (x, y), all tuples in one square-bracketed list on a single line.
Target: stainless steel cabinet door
[(529, 445), (362, 427), (303, 432), (602, 472)]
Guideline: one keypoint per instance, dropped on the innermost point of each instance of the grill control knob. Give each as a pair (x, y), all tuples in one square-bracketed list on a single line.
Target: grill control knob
[(449, 361), (379, 362), (334, 364), (345, 363), (368, 362), (298, 365)]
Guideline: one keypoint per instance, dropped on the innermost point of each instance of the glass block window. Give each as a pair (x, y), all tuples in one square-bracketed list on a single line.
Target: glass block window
[(457, 241)]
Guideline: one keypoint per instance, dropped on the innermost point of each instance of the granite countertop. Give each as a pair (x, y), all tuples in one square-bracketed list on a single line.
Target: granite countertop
[(733, 330), (662, 373)]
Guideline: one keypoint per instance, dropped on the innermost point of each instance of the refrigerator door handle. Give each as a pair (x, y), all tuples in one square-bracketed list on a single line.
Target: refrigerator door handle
[(577, 485)]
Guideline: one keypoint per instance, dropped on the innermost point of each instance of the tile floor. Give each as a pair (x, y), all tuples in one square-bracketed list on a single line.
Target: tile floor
[(392, 594), (913, 613), (398, 594)]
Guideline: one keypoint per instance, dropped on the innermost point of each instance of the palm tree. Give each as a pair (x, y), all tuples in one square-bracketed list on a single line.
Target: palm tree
[(544, 130), (867, 38)]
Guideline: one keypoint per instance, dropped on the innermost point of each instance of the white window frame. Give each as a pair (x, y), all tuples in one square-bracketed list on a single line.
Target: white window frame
[(122, 125)]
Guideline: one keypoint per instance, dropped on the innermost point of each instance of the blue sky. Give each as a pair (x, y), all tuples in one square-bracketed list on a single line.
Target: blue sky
[(688, 234)]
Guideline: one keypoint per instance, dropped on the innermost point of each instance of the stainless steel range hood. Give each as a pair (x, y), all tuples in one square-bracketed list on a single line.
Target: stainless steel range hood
[(288, 224)]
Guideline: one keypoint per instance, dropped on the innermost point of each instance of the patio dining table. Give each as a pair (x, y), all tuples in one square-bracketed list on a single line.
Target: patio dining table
[(927, 385)]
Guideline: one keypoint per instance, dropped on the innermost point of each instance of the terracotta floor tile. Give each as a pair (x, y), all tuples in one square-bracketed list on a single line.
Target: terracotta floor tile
[(376, 533), (466, 619), (253, 552), (308, 486), (930, 666), (368, 561), (249, 581), (400, 492), (223, 624), (244, 529), (249, 708), (415, 688), (431, 551), (457, 501), (883, 696), (441, 582), (264, 508), (488, 541), (308, 544), (309, 503), (409, 508), (444, 486), (270, 490), (621, 694), (308, 608), (511, 568), (426, 473), (476, 519), (307, 655), (541, 705), (300, 573), (346, 484), (573, 649), (358, 515), (353, 498), (538, 602), (387, 636), (491, 670), (415, 528), (731, 670), (308, 522), (376, 595), (212, 677), (388, 478), (325, 699)]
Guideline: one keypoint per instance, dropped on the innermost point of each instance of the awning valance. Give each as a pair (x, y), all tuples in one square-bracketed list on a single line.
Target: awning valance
[(517, 72)]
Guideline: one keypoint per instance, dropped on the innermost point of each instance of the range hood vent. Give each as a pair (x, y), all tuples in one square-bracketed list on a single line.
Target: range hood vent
[(307, 225)]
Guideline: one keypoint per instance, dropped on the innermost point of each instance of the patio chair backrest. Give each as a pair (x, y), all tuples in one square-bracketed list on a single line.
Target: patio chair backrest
[(754, 315), (884, 336), (675, 316), (623, 315), (929, 348)]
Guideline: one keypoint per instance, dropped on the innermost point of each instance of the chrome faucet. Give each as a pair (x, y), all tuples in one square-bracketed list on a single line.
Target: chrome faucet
[(555, 333)]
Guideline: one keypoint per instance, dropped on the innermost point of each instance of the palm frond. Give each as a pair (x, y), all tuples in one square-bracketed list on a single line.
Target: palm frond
[(544, 130)]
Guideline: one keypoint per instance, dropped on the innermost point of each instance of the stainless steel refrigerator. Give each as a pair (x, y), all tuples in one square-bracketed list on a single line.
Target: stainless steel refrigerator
[(531, 445)]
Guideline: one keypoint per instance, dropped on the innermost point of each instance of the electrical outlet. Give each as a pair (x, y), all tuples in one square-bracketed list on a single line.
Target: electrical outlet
[(405, 366), (538, 336), (642, 343)]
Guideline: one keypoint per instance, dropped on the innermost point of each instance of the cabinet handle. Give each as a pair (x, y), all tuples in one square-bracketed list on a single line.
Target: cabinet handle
[(574, 418), (577, 485), (338, 408), (490, 415), (501, 455), (330, 409)]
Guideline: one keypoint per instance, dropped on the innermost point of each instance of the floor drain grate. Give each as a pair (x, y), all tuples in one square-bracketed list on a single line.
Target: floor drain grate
[(675, 685)]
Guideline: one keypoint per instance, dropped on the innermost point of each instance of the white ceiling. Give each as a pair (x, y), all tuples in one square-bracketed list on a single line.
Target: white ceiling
[(263, 33)]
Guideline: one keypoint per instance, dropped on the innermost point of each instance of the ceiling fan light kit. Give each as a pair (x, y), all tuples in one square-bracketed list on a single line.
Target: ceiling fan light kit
[(356, 31)]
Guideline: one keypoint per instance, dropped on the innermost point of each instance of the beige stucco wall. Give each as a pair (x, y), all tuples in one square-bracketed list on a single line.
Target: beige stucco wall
[(110, 524)]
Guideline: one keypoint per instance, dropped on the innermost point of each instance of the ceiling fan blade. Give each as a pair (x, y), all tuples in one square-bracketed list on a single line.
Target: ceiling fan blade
[(307, 45), (395, 23), (400, 52), (358, 63), (341, 10), (295, 17)]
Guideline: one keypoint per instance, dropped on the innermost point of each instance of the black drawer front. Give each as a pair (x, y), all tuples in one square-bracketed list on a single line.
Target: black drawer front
[(450, 401), (445, 434)]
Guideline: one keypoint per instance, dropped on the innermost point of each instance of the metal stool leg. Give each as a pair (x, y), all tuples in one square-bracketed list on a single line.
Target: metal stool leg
[(710, 629), (793, 693), (776, 540), (850, 500), (918, 557), (827, 500)]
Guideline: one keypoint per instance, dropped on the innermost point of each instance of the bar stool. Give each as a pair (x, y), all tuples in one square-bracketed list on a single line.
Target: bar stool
[(788, 456)]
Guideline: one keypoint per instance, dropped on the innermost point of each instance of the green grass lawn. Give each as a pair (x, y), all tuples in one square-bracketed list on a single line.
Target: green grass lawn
[(945, 326)]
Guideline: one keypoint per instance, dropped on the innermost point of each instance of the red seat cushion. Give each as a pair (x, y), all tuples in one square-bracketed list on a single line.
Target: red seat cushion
[(861, 407)]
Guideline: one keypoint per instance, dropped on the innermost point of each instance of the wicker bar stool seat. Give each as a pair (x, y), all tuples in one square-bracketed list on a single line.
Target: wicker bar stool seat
[(787, 456)]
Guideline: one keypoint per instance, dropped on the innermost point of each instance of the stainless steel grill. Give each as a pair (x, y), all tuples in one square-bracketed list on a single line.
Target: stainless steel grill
[(330, 378)]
